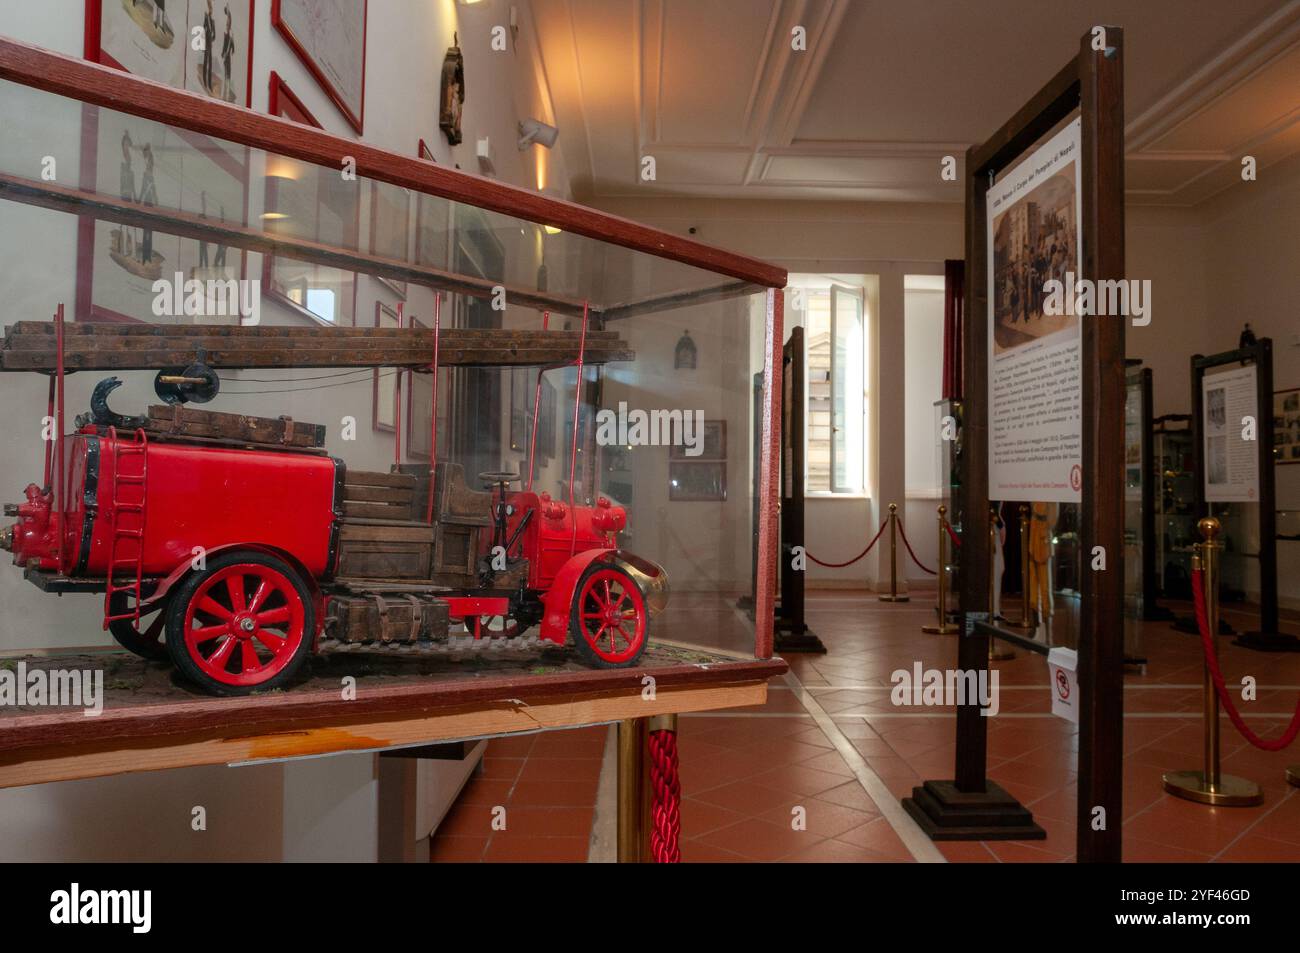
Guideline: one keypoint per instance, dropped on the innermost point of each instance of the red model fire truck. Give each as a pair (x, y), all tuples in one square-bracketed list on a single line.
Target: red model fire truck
[(235, 546)]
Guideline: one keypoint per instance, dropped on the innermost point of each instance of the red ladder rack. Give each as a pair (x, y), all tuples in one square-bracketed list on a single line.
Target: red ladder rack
[(126, 521)]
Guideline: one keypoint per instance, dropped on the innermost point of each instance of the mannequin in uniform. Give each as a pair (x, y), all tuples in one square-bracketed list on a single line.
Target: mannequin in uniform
[(1041, 520)]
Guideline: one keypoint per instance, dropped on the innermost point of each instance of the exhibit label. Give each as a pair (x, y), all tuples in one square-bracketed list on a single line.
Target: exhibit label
[(1231, 461), (1035, 394)]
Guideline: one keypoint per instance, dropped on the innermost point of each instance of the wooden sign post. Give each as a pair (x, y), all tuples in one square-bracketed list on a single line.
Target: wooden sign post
[(971, 806)]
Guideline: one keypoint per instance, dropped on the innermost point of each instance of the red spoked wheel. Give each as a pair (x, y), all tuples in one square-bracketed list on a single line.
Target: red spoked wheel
[(609, 618), (144, 638), (242, 624)]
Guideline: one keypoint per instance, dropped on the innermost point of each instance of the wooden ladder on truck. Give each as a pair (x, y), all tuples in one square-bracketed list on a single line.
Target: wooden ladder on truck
[(126, 522)]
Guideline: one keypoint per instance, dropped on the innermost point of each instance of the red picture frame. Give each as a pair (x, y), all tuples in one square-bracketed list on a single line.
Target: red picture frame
[(283, 102), (84, 308), (355, 119)]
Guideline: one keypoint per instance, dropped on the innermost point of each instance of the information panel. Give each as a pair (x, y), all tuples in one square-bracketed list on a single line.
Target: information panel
[(1229, 429), (1035, 344)]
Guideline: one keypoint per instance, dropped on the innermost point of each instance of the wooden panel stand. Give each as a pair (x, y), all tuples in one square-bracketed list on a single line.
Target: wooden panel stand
[(1093, 83), (1266, 638), (791, 630)]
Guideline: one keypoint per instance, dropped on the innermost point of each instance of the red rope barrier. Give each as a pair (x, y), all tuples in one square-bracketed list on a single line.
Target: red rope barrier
[(1216, 675), (666, 809), (911, 553), (873, 542), (956, 540)]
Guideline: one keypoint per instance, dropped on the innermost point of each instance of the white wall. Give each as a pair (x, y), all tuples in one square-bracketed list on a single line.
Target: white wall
[(885, 240), (329, 808)]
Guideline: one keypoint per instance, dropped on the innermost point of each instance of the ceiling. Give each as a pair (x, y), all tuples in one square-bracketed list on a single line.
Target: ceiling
[(713, 91)]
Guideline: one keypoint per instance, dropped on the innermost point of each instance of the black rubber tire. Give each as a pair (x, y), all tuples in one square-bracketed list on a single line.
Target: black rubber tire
[(127, 636), (585, 651), (176, 624)]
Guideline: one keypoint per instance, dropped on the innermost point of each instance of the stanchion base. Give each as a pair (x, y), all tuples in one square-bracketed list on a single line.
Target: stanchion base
[(1268, 642), (1229, 792), (944, 628), (1293, 775), (945, 813), (898, 598), (805, 641)]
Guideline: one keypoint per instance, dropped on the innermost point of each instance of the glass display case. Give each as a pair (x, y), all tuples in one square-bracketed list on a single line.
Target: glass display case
[(362, 406)]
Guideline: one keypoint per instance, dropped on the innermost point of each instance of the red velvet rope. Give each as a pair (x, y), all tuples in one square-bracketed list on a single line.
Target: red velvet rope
[(1216, 675), (956, 540), (911, 553), (873, 542), (666, 809)]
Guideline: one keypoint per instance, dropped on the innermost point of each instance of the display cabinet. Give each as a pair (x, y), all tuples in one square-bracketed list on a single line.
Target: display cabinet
[(1175, 505), (498, 506)]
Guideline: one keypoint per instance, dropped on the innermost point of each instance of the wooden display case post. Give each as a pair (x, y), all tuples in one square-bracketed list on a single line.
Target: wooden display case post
[(970, 806)]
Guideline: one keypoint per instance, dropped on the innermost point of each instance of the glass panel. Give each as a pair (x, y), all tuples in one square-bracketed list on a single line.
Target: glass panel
[(144, 223)]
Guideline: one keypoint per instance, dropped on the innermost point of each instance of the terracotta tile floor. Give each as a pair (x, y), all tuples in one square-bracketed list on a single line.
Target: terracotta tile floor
[(768, 784)]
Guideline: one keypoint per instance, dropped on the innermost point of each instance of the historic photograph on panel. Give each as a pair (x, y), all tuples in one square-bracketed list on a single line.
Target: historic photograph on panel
[(1034, 241)]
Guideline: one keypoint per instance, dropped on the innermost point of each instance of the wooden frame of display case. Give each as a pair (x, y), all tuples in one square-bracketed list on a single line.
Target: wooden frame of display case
[(195, 730)]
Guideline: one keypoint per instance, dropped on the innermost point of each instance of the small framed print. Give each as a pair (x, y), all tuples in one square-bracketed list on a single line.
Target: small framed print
[(697, 481), (384, 418), (713, 444)]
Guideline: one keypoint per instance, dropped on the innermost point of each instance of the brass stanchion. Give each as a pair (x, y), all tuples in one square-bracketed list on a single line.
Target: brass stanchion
[(996, 653), (894, 595), (944, 627), (1209, 786), (632, 806)]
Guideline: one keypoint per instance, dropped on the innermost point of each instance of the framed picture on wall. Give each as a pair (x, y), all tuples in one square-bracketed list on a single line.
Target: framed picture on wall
[(149, 164), (713, 444), (386, 379), (1286, 426), (314, 203), (329, 36), (703, 476), (156, 40), (390, 227), (697, 481)]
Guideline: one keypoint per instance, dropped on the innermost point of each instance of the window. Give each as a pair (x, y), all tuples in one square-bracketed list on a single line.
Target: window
[(833, 315)]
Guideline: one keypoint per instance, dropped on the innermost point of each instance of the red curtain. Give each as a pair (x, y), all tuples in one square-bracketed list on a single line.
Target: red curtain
[(954, 297)]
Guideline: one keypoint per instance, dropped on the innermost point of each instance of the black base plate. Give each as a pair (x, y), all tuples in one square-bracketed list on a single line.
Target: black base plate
[(945, 813), (805, 641)]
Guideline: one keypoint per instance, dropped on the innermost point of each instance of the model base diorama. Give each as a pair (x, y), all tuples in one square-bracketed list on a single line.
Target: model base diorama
[(236, 547)]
